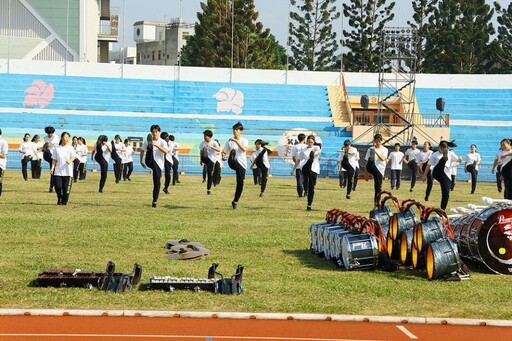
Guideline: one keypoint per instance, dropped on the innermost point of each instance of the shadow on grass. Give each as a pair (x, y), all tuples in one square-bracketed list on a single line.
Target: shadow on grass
[(310, 260)]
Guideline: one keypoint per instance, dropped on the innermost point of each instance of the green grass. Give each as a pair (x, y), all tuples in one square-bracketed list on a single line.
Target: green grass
[(268, 235)]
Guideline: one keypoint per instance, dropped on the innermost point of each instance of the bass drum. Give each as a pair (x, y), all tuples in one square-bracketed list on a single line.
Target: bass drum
[(359, 251), (487, 238)]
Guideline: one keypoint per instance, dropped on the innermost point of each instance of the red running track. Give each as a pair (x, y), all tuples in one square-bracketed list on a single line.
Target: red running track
[(215, 329)]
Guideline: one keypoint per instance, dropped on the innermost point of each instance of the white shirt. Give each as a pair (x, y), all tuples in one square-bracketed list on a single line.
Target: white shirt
[(412, 154), (396, 160), (158, 156), (81, 150), (241, 156), (504, 161), (379, 164), (434, 160), (472, 158), (357, 157), (170, 148), (265, 157), (175, 148), (54, 140), (497, 157), (212, 154), (296, 151), (26, 148), (424, 156), (62, 154), (453, 168), (105, 152), (119, 148), (304, 157), (351, 155), (4, 148), (127, 155), (253, 156), (37, 152)]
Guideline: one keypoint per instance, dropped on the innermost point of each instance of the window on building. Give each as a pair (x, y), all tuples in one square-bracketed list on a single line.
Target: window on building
[(159, 55), (153, 55)]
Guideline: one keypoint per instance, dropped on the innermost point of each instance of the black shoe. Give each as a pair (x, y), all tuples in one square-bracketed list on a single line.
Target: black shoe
[(308, 208), (499, 190), (208, 192), (426, 199), (75, 180), (117, 181), (153, 204), (234, 205), (59, 202), (204, 180), (178, 181), (166, 191), (63, 203), (128, 179), (50, 190), (393, 187), (261, 194), (101, 190), (472, 192), (174, 184), (347, 196), (410, 190)]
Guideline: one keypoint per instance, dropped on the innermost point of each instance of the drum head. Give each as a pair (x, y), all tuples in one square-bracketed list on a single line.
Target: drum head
[(495, 241)]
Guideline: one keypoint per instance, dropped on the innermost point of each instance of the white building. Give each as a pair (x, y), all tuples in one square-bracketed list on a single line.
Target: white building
[(160, 43), (73, 30)]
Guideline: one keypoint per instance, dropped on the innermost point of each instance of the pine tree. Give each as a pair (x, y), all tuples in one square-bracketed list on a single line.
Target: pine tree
[(367, 19), (211, 44), (422, 10), (312, 38), (501, 47), (458, 37)]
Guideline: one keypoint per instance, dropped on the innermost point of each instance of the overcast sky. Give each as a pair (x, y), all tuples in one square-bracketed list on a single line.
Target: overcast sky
[(273, 14)]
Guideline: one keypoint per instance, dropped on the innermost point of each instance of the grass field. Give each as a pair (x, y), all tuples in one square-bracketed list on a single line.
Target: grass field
[(268, 235)]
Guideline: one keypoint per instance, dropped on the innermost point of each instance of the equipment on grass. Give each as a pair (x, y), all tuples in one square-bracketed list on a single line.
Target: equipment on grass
[(220, 285), (359, 251)]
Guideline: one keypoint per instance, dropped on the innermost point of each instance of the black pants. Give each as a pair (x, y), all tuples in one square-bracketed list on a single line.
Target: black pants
[(301, 182), (82, 170), (76, 164), (453, 178), (430, 181), (240, 176), (52, 178), (209, 174), (474, 177), (24, 163), (175, 173), (103, 171), (311, 179), (62, 188), (343, 178), (506, 173), (264, 178), (157, 176), (1, 180), (377, 180), (413, 166), (444, 181), (256, 175), (127, 170), (205, 170), (217, 173), (167, 174), (395, 178), (118, 171), (498, 178), (356, 178), (349, 175), (35, 167)]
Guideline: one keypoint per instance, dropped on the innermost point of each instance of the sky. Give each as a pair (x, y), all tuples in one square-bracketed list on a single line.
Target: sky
[(273, 14)]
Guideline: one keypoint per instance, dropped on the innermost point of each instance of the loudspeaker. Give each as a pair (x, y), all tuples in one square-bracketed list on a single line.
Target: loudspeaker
[(365, 101), (440, 104)]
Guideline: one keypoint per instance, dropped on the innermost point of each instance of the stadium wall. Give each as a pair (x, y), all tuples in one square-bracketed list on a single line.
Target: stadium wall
[(90, 99)]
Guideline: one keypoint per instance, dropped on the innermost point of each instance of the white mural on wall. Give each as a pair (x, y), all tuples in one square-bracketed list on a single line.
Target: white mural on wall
[(229, 100)]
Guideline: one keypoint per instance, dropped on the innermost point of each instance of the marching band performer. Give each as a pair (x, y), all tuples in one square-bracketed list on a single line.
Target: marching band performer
[(4, 149), (82, 157), (310, 166), (376, 158), (127, 160), (50, 142), (412, 159), (26, 150), (505, 155), (37, 156), (349, 163), (62, 168), (158, 148), (423, 158), (396, 158), (168, 162), (302, 185), (262, 163), (236, 148), (101, 154), (209, 149), (473, 159)]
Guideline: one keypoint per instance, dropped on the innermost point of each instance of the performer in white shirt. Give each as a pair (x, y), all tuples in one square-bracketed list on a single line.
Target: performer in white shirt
[(505, 155), (26, 151), (356, 170), (127, 160), (117, 152), (256, 172), (62, 168), (349, 163), (236, 148), (37, 156), (4, 149), (473, 159), (440, 161), (412, 159), (310, 165), (101, 154), (209, 149), (302, 185), (497, 165), (423, 158), (453, 170), (175, 160), (168, 162), (50, 142), (376, 158), (82, 157), (76, 162), (262, 162), (158, 148), (396, 158)]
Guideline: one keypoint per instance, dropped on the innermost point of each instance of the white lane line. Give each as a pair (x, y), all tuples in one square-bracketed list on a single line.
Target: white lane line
[(142, 336), (406, 332)]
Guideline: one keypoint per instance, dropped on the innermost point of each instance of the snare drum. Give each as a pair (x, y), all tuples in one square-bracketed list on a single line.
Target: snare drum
[(359, 251)]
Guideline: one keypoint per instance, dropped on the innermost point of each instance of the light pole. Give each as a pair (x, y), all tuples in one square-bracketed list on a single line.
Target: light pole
[(67, 41), (9, 38), (232, 38), (288, 43), (341, 44)]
